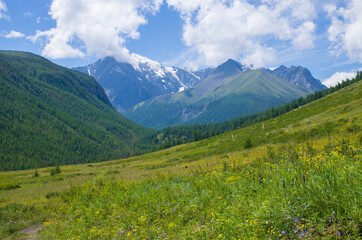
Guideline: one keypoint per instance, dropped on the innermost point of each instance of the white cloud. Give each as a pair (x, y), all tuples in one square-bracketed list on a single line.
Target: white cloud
[(345, 30), (3, 10), (93, 27), (222, 29), (338, 77), (13, 34), (27, 14)]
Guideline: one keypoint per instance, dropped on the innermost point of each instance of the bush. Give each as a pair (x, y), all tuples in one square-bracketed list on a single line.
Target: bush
[(247, 143), (55, 170)]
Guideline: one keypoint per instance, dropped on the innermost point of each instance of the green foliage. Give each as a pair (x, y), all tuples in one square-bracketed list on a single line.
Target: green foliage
[(36, 173), (10, 186), (320, 199), (247, 143), (55, 171)]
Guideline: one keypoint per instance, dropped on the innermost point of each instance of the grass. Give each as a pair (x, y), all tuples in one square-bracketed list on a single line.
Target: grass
[(228, 186), (311, 190)]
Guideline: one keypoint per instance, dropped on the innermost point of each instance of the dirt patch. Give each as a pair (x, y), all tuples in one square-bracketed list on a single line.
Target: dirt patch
[(28, 233), (32, 230)]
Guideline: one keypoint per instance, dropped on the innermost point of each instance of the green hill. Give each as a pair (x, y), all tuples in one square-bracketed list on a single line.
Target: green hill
[(216, 99), (294, 176), (51, 115)]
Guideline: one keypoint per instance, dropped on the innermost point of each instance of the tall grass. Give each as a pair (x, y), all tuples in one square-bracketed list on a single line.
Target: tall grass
[(309, 191)]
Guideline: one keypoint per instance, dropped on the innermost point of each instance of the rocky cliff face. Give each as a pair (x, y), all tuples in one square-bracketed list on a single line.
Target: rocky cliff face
[(299, 76)]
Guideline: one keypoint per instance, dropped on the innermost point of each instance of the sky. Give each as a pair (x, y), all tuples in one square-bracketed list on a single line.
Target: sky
[(321, 35)]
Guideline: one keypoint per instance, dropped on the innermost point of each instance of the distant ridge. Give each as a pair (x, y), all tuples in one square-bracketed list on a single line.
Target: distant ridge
[(299, 76), (228, 91), (127, 85)]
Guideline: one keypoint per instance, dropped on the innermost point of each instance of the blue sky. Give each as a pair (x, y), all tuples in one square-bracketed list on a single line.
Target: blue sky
[(324, 36)]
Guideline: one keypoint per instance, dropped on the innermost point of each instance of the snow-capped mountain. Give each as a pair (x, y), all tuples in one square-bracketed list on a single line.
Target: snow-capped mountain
[(127, 85)]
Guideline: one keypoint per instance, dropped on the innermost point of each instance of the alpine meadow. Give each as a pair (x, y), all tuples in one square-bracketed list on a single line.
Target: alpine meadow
[(296, 175), (180, 120)]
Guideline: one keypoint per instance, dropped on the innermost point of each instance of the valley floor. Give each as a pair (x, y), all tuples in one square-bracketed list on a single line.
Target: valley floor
[(296, 176)]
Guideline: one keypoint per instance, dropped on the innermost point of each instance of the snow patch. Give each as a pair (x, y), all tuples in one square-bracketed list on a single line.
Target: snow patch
[(173, 72), (181, 89)]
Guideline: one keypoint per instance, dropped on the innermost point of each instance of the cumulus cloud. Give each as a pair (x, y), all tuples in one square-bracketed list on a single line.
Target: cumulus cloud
[(245, 30), (339, 77), (3, 10), (93, 27), (13, 34), (345, 30)]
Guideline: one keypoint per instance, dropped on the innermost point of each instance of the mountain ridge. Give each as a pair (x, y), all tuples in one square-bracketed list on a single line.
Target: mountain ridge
[(300, 76), (215, 99), (127, 85)]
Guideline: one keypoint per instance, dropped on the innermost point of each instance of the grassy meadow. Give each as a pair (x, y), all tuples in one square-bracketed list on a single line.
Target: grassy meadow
[(297, 176)]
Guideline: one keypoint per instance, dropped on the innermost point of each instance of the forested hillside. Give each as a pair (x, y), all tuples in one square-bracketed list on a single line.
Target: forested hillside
[(51, 115)]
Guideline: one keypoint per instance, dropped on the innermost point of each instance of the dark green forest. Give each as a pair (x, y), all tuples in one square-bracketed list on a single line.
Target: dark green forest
[(50, 115)]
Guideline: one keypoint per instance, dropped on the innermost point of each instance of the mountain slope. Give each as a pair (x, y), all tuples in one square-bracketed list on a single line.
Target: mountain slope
[(52, 115), (220, 96), (299, 76), (127, 85)]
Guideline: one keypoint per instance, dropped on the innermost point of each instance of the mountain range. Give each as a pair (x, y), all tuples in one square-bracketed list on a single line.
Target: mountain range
[(53, 115), (155, 95), (231, 90)]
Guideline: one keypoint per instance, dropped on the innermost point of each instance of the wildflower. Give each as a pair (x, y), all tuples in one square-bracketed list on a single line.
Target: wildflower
[(307, 232), (167, 203), (203, 220), (283, 184), (210, 229), (301, 234), (330, 219), (284, 232), (295, 230), (296, 220), (338, 233), (121, 231)]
